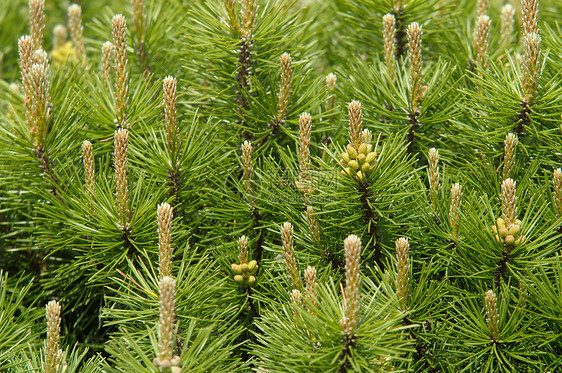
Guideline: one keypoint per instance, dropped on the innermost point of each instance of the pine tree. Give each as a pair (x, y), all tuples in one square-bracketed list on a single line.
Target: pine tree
[(280, 186)]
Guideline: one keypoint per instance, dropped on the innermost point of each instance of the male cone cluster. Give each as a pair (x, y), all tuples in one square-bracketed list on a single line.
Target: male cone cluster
[(508, 227), (244, 272), (508, 234), (358, 162)]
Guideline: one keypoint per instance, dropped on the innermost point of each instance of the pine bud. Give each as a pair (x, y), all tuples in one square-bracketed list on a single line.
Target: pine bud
[(107, 50), (296, 300), (500, 223), (166, 332), (236, 268), (370, 158), (248, 11), (232, 20), (60, 36), (492, 317), (389, 42), (433, 175), (514, 230), (510, 144), (40, 57), (331, 80), (503, 232), (164, 364), (530, 69), (138, 19), (289, 253), (252, 266), (363, 150), (455, 209), (37, 22), (284, 88), (313, 225), (351, 152), (481, 32), (403, 269), (52, 349), (121, 140), (367, 137), (76, 30), (530, 12), (355, 115), (247, 165), (305, 128), (243, 250), (481, 8), (89, 169), (352, 247), (165, 215), (557, 190), (415, 63), (311, 285), (170, 112), (39, 99), (509, 208), (296, 297), (507, 21), (354, 165), (25, 51), (119, 33)]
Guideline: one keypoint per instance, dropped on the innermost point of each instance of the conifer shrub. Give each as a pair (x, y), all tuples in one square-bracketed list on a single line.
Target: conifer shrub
[(281, 186)]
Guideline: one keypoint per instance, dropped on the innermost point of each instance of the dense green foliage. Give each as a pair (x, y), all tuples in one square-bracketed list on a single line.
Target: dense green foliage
[(62, 240)]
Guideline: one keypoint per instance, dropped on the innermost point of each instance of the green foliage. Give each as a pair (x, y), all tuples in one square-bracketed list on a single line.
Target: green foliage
[(16, 320), (310, 339), (62, 239)]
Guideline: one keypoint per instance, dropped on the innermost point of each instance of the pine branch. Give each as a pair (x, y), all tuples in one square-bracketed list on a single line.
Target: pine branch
[(371, 219), (46, 165), (243, 77), (523, 119), (401, 37), (259, 231), (414, 125), (348, 342)]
